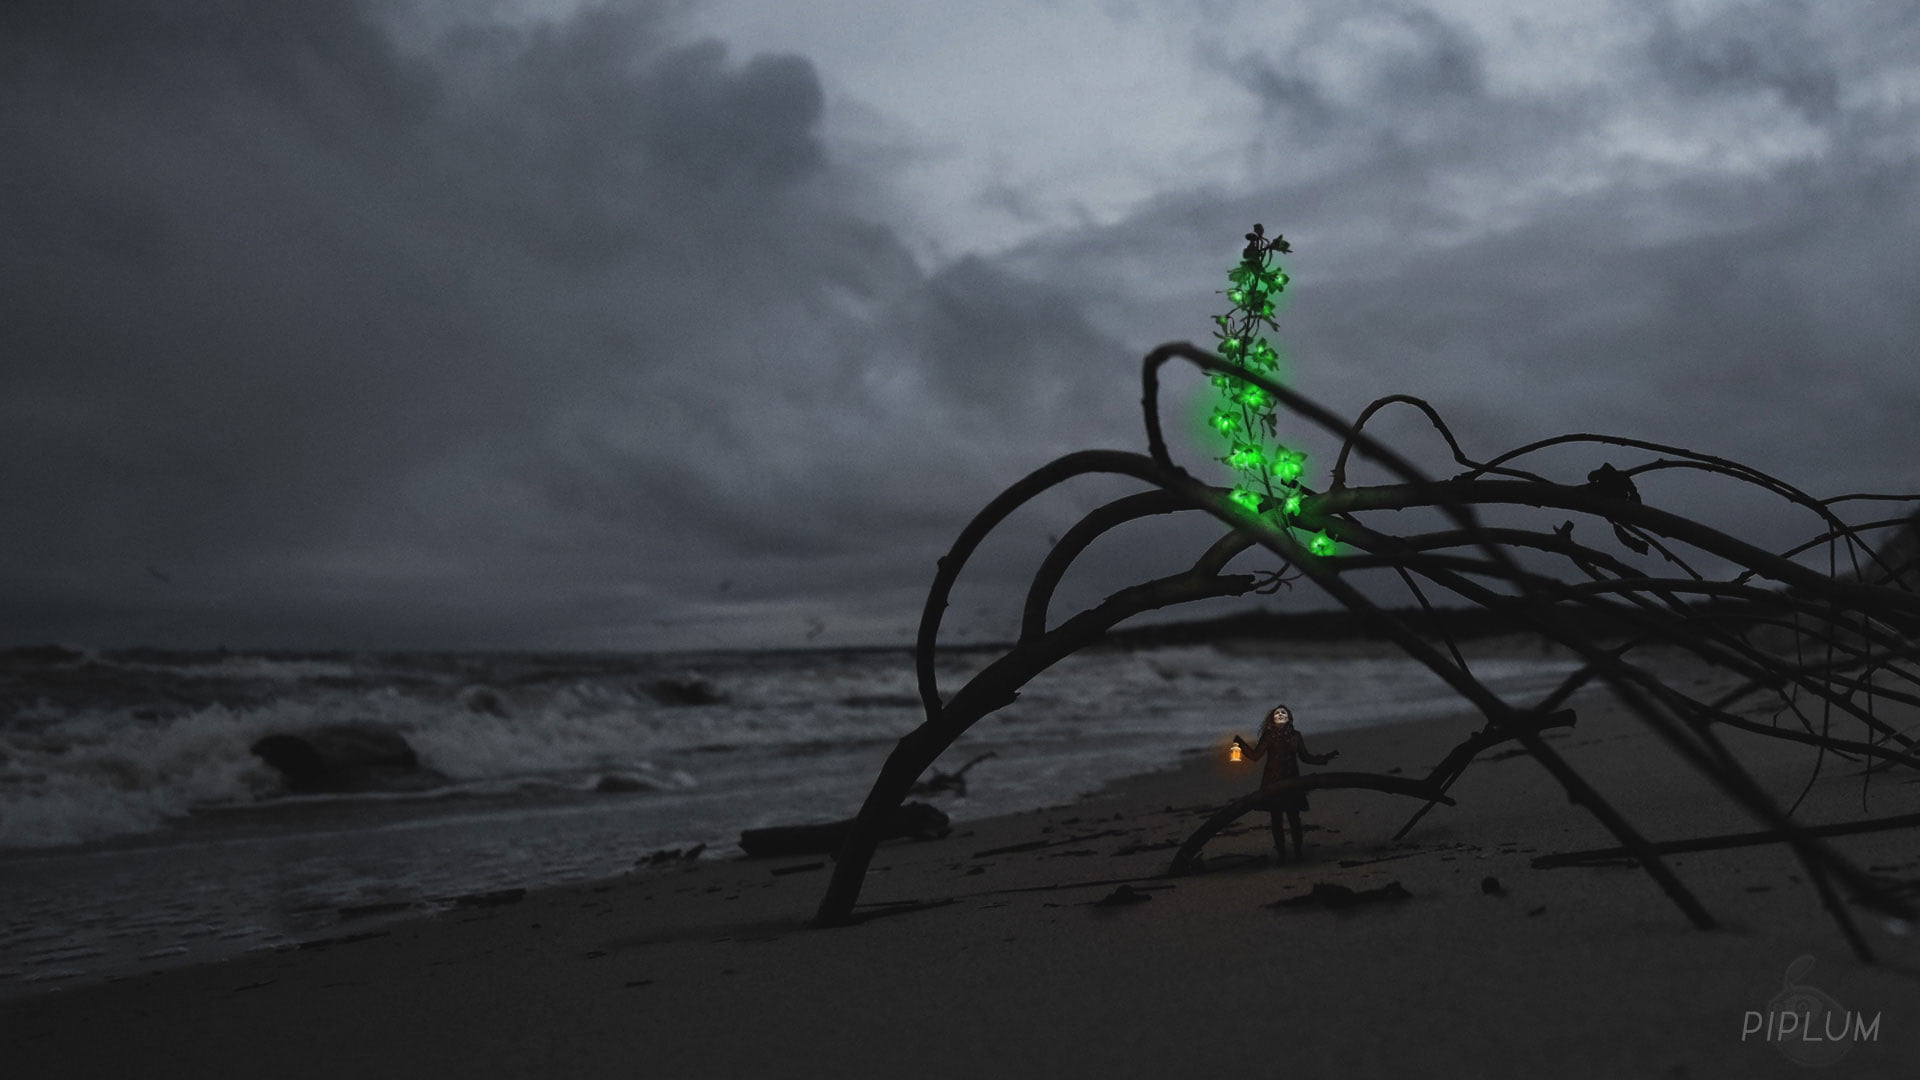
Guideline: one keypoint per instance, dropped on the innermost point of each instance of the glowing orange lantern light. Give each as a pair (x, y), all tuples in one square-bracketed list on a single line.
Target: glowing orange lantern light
[(1233, 753)]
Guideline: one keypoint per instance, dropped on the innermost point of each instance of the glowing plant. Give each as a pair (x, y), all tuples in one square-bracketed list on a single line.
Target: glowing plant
[(1269, 475)]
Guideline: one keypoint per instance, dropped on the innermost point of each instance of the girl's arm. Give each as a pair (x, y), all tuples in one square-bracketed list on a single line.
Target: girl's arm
[(1300, 744), (1253, 751)]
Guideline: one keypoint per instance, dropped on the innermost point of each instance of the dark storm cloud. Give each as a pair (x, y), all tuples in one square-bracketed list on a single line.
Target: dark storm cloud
[(1782, 341), (1767, 48), (1400, 57), (498, 331), (991, 340), (510, 333)]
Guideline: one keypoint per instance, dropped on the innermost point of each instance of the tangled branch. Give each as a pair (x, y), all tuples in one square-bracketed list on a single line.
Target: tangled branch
[(1862, 621)]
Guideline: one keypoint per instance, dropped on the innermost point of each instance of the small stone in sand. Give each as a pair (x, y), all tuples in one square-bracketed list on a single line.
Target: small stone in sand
[(1122, 896), (1338, 897)]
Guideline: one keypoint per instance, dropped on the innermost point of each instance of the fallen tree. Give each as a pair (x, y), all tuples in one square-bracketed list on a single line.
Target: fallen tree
[(1860, 627)]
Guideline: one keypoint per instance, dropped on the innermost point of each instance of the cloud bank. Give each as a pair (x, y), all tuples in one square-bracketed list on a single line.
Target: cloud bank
[(336, 325)]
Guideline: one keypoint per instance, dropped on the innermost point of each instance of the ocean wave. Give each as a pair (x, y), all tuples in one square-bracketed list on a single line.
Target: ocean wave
[(101, 775)]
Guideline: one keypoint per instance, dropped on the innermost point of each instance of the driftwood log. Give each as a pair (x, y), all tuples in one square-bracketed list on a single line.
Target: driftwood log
[(1432, 788), (914, 820), (1835, 639), (1184, 859)]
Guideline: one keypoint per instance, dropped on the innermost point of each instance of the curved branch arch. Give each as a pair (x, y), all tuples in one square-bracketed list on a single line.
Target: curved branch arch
[(1884, 619)]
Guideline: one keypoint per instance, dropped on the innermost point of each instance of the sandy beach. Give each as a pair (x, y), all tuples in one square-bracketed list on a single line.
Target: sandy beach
[(991, 953)]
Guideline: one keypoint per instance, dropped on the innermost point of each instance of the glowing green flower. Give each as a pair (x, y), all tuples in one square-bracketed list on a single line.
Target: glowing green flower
[(1245, 455), (1322, 544), (1244, 414)]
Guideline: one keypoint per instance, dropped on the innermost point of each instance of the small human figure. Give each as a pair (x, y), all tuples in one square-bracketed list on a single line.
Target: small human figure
[(1284, 749)]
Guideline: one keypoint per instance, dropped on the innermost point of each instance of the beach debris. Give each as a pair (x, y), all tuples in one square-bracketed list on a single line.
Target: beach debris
[(481, 700), (914, 820), (955, 781), (1326, 894), (496, 898), (684, 690), (1492, 887), (1141, 846), (622, 784), (1348, 864), (343, 939), (798, 868), (1122, 897), (881, 909), (671, 855), (345, 758), (1040, 845), (364, 911)]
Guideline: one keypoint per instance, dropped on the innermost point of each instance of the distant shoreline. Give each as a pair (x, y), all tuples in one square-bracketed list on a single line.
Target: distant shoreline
[(1330, 624)]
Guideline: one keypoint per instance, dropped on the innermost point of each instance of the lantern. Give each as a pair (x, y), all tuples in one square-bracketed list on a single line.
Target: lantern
[(1233, 753)]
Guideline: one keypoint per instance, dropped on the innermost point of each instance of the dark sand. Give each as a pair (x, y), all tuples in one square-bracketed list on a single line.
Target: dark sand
[(706, 970)]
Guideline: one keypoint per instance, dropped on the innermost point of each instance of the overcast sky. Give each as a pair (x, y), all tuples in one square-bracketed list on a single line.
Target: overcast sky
[(690, 324)]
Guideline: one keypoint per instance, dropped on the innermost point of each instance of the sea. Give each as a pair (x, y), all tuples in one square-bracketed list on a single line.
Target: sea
[(139, 829)]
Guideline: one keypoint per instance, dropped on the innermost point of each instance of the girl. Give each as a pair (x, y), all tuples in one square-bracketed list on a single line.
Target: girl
[(1284, 749)]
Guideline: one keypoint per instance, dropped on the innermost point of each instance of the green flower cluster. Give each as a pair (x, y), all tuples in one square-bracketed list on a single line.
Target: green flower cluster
[(1268, 476)]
